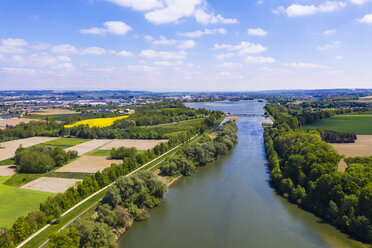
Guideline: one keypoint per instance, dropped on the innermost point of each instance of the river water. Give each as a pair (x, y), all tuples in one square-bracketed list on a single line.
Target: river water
[(230, 203)]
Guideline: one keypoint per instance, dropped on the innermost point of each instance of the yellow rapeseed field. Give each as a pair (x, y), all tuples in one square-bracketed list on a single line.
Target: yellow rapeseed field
[(98, 122)]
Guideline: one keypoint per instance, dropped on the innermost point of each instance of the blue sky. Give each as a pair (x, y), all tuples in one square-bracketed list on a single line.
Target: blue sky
[(177, 45)]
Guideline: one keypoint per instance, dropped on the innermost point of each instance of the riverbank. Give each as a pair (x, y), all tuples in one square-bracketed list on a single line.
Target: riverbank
[(304, 169)]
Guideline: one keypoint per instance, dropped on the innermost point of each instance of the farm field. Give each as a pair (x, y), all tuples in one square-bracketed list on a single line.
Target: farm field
[(88, 164), (12, 202), (173, 129), (88, 146), (50, 184), (137, 143), (362, 147), (7, 170), (15, 121), (358, 124), (97, 122), (64, 142), (55, 112), (10, 147)]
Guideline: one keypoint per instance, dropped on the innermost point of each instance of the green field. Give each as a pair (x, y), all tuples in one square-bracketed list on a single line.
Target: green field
[(172, 129), (15, 202), (63, 142), (97, 152), (358, 124)]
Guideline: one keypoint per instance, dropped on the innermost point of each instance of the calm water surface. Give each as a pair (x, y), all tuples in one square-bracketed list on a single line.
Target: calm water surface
[(230, 203)]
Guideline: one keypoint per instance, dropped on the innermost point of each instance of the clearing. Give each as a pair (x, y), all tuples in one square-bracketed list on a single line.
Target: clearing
[(139, 144), (88, 146), (88, 164), (50, 184), (15, 202), (8, 148), (362, 147), (358, 124)]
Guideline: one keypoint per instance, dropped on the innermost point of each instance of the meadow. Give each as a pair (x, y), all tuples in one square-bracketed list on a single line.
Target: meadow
[(12, 202), (97, 122), (358, 124), (63, 142)]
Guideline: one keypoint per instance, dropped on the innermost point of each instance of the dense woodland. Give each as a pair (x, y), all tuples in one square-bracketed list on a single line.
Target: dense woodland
[(304, 170)]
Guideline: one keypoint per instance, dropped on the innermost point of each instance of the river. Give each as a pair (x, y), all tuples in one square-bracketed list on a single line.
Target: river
[(230, 203)]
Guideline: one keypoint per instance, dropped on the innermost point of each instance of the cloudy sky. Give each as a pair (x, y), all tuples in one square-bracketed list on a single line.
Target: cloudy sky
[(176, 45)]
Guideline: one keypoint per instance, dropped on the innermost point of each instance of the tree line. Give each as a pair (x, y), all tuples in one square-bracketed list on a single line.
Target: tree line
[(206, 151), (304, 170), (129, 198)]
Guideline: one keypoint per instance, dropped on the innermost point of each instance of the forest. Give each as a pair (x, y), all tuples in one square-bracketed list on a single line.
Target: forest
[(304, 170)]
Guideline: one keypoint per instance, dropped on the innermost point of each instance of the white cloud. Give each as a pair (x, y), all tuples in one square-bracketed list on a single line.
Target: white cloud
[(66, 67), (45, 59), (151, 54), (12, 45), (200, 33), (148, 38), (223, 56), (168, 11), (17, 70), (243, 47), (224, 74), (259, 60), (203, 17), (329, 32), (140, 5), (142, 68), (359, 2), (306, 65), (366, 19), (164, 41), (339, 57), (329, 46), (181, 44), (295, 10), (257, 32), (13, 42), (95, 51), (64, 49), (168, 63), (186, 44), (124, 53), (229, 65), (112, 27)]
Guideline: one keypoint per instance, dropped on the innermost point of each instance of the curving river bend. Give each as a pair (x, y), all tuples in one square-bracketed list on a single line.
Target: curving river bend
[(230, 203)]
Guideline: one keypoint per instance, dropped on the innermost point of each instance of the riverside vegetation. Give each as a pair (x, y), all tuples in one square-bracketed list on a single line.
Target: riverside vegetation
[(131, 197), (54, 206), (304, 170)]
